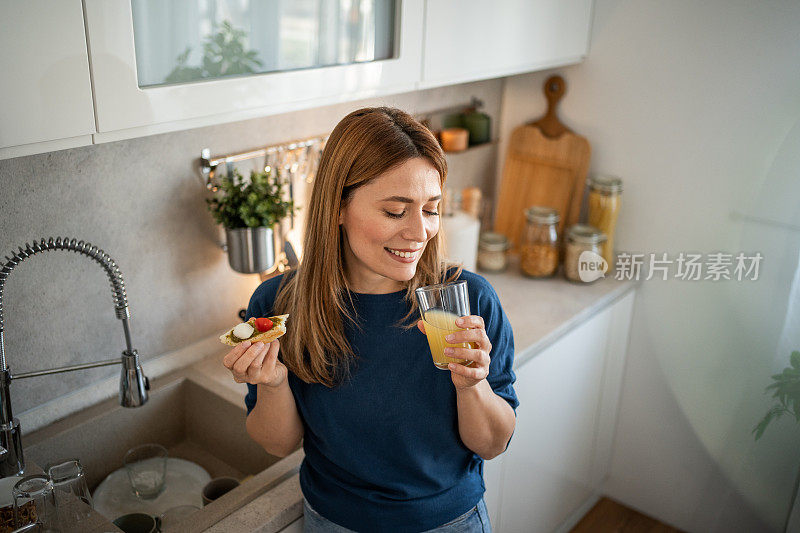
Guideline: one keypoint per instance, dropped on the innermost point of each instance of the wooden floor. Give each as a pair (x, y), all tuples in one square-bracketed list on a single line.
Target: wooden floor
[(608, 516)]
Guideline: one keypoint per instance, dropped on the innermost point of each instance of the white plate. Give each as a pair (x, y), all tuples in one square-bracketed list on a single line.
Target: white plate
[(185, 480)]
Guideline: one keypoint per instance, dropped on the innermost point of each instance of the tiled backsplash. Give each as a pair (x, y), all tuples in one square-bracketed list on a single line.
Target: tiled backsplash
[(141, 200)]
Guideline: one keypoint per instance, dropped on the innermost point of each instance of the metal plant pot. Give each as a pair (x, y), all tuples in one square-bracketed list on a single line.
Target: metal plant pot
[(252, 250)]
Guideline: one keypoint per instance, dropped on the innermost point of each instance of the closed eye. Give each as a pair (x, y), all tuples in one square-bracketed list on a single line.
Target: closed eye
[(400, 215)]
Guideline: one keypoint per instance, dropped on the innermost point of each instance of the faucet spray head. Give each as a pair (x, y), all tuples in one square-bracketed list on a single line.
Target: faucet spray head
[(133, 384)]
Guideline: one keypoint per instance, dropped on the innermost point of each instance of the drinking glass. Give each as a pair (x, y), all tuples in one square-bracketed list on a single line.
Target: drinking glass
[(440, 305), (217, 488), (136, 523), (73, 499), (34, 502), (147, 470)]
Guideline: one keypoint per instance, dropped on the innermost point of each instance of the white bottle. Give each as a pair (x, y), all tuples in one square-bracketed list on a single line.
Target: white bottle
[(460, 232)]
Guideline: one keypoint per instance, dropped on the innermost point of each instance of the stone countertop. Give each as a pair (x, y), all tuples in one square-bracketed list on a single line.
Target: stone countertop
[(543, 310), (540, 311)]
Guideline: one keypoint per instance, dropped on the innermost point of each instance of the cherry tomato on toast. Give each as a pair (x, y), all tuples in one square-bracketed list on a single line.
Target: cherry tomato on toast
[(263, 324)]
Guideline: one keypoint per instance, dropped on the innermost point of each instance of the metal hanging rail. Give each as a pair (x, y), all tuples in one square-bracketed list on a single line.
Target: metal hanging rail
[(208, 165)]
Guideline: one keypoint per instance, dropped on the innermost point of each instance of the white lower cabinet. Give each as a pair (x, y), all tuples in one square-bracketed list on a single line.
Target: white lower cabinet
[(493, 479), (558, 458)]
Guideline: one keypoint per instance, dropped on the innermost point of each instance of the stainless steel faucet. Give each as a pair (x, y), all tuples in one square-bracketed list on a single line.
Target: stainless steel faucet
[(133, 385)]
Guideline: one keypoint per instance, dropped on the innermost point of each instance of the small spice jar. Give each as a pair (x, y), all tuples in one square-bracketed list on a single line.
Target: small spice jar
[(471, 201), (454, 139), (605, 198), (492, 249), (580, 238), (538, 254)]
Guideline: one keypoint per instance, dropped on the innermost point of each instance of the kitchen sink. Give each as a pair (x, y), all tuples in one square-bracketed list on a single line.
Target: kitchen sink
[(191, 415)]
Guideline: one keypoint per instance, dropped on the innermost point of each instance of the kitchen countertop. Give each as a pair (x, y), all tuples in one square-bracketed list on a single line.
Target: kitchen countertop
[(543, 310), (540, 311)]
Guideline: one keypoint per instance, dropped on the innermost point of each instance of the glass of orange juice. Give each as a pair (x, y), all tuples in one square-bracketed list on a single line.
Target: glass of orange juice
[(440, 305)]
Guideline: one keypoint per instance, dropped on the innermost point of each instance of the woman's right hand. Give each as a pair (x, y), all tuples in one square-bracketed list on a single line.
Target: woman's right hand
[(256, 364)]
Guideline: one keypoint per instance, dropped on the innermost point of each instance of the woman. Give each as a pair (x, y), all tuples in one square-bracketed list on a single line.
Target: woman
[(391, 443)]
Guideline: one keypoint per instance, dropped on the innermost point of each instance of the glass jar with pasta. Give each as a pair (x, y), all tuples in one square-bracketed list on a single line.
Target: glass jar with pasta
[(605, 198), (538, 253)]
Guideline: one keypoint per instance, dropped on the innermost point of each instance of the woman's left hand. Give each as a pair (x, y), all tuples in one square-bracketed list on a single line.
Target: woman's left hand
[(468, 376)]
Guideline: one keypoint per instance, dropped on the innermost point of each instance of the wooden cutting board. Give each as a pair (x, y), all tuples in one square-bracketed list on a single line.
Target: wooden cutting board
[(546, 164)]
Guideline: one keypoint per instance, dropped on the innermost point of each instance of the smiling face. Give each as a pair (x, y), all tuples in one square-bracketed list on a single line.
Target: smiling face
[(386, 225)]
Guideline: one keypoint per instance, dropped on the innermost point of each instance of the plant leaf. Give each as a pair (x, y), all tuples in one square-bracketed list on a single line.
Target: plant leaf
[(257, 201), (773, 414), (762, 425), (795, 359)]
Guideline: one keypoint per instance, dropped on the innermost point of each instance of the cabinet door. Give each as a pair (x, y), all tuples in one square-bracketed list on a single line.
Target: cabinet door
[(617, 347), (130, 56), (493, 480), (472, 39), (45, 95), (548, 465)]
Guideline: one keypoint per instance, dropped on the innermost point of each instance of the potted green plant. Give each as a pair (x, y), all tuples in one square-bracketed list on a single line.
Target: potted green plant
[(250, 210), (786, 386)]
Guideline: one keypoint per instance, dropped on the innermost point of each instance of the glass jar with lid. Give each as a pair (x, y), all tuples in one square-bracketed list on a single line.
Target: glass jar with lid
[(538, 254), (605, 198), (492, 252), (580, 238)]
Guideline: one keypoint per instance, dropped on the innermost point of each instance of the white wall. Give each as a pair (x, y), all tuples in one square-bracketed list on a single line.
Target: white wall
[(695, 105)]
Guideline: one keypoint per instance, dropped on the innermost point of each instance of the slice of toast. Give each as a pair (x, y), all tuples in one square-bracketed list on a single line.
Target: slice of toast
[(277, 330)]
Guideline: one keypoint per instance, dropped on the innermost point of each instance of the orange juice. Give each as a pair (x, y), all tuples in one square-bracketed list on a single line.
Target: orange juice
[(439, 324)]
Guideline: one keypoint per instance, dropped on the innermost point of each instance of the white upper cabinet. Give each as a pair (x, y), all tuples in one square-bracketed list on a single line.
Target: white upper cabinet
[(469, 40), (45, 96), (161, 66)]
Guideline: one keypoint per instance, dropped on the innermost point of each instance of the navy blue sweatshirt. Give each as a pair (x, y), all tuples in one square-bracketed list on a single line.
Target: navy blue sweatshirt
[(382, 450)]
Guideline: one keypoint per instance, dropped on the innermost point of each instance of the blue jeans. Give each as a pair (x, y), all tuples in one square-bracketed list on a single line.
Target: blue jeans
[(476, 520)]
